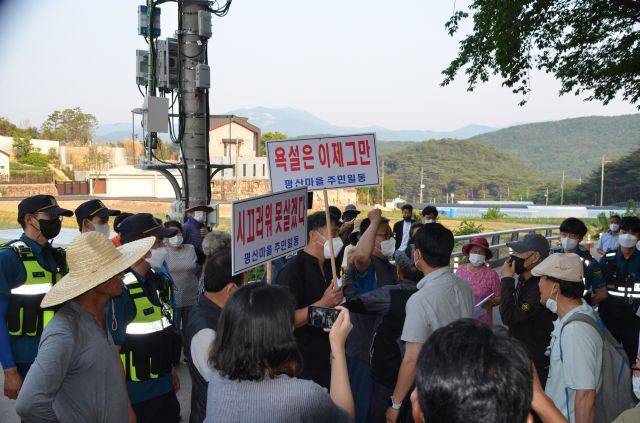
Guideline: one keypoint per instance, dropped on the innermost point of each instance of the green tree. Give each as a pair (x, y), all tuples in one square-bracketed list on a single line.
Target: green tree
[(69, 125), (270, 136), (22, 146), (591, 46), (6, 128), (53, 157), (96, 160)]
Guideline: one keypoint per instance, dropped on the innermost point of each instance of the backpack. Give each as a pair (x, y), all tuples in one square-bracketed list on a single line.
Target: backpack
[(616, 393)]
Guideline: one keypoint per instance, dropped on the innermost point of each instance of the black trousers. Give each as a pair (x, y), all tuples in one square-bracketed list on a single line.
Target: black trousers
[(162, 409), (625, 330)]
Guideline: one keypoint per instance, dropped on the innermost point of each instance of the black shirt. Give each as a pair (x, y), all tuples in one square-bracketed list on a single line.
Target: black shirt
[(528, 320), (204, 314), (304, 278), (388, 303)]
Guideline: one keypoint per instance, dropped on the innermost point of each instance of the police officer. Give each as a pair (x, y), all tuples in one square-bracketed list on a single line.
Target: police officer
[(141, 323), (29, 266), (93, 215), (622, 276), (572, 232)]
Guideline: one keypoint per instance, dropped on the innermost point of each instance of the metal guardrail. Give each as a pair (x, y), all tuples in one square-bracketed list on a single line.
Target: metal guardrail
[(497, 242)]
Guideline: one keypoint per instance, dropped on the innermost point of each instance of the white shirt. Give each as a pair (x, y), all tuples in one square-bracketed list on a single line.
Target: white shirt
[(200, 346), (406, 229), (581, 364)]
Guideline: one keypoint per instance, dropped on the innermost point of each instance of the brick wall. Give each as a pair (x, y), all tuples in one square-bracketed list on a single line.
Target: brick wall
[(26, 190)]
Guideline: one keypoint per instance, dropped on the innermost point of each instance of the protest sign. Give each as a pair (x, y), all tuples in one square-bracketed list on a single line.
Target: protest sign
[(267, 227), (323, 163)]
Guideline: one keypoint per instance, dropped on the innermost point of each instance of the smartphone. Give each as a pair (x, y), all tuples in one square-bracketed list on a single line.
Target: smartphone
[(322, 317)]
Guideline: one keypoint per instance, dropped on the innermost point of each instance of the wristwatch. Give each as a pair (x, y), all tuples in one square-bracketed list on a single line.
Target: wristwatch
[(394, 405)]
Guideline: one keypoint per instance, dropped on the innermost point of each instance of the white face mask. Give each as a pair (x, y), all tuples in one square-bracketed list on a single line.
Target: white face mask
[(337, 246), (552, 304), (199, 216), (157, 257), (476, 260), (614, 227), (175, 241), (569, 244), (428, 221), (636, 386), (388, 247), (627, 240), (102, 228)]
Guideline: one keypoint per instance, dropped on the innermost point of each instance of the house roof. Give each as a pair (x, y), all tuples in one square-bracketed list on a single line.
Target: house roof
[(217, 122)]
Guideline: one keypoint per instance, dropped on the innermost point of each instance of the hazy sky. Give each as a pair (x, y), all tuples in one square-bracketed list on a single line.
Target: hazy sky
[(354, 62)]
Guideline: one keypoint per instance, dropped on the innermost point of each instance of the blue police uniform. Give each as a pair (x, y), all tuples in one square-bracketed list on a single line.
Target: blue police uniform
[(618, 311), (124, 310), (593, 276), (21, 349)]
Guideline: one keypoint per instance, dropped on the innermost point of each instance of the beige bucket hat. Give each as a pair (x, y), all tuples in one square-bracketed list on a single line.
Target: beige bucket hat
[(566, 267), (92, 260)]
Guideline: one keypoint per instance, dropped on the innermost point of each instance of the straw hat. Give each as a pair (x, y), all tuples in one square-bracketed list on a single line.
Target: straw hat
[(93, 260)]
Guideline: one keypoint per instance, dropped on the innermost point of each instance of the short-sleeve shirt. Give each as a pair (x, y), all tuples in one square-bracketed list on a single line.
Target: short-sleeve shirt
[(183, 267), (12, 275), (441, 299), (581, 364), (305, 280), (483, 283), (608, 241)]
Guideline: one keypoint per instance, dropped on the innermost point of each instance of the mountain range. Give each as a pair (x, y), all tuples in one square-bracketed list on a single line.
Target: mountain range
[(573, 146), (296, 123)]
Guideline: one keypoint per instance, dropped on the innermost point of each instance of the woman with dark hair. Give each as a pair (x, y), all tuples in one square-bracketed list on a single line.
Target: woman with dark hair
[(184, 267), (255, 360)]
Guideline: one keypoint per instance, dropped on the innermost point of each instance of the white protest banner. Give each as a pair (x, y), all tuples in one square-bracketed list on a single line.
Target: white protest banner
[(323, 163), (267, 227)]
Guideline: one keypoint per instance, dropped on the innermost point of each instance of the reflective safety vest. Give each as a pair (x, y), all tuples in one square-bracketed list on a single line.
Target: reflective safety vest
[(24, 315), (148, 349), (628, 289)]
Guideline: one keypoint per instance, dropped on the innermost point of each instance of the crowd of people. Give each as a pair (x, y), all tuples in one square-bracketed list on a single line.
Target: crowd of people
[(95, 332)]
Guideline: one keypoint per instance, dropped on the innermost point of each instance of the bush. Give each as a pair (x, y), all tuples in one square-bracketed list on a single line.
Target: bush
[(468, 227), (35, 159), (494, 213)]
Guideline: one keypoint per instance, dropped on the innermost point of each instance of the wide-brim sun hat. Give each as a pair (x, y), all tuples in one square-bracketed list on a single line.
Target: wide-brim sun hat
[(93, 259), (478, 241)]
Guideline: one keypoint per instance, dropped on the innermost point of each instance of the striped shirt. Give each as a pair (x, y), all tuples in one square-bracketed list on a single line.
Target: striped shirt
[(183, 268)]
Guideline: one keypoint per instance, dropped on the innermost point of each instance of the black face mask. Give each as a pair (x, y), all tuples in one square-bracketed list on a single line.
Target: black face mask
[(520, 269), (50, 228)]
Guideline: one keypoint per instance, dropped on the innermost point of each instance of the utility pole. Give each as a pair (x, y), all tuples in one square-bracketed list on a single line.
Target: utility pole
[(546, 198), (382, 181), (602, 182), (421, 184), (562, 190), (195, 103)]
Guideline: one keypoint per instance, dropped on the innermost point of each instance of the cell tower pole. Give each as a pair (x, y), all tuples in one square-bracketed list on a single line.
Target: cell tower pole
[(195, 139)]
